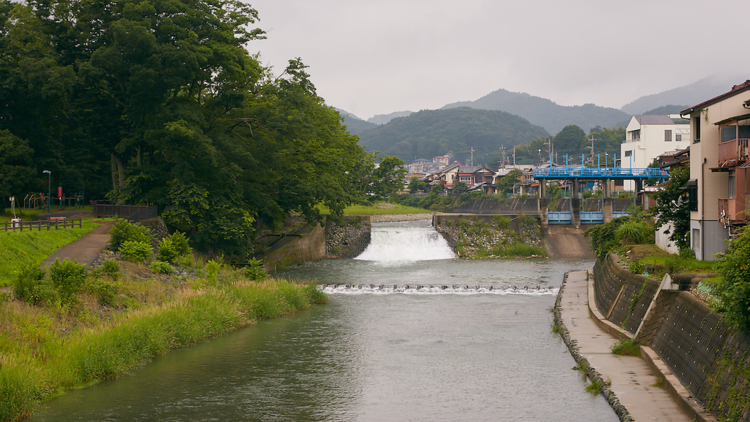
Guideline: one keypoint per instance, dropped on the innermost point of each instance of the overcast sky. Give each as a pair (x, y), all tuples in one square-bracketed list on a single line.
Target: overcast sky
[(373, 57)]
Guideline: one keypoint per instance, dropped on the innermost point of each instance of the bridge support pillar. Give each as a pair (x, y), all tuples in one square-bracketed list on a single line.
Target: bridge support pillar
[(607, 188), (544, 213), (607, 208), (543, 189), (575, 204), (638, 188)]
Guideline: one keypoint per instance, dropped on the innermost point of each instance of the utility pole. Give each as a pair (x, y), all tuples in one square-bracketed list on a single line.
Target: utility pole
[(592, 149), (472, 156), (549, 149), (514, 157), (502, 151)]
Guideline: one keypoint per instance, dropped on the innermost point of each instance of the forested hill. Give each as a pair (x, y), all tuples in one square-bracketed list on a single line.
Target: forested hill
[(429, 133), (354, 124), (546, 113)]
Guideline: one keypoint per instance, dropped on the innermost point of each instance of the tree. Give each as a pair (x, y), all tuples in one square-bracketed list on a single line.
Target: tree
[(385, 179), (16, 172), (672, 207), (505, 185), (732, 290), (570, 140)]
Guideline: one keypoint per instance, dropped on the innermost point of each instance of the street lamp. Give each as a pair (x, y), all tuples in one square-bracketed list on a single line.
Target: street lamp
[(540, 158), (606, 154), (49, 194)]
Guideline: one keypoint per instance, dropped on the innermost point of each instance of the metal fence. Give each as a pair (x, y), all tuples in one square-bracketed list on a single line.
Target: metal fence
[(131, 212)]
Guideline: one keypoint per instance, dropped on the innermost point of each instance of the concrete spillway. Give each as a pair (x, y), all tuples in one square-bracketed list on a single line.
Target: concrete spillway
[(406, 243)]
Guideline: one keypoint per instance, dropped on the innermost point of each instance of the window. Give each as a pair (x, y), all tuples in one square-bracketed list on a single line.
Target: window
[(692, 188), (668, 136), (696, 129), (465, 179), (628, 153), (635, 135), (696, 238), (731, 184), (678, 138), (728, 133)]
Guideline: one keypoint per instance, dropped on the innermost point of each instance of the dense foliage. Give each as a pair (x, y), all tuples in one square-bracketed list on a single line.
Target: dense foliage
[(546, 113), (605, 239), (732, 290), (158, 102), (429, 133), (672, 207)]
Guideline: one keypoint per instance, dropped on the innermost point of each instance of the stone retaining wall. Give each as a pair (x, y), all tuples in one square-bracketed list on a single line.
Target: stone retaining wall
[(308, 247), (347, 237), (482, 231), (708, 357)]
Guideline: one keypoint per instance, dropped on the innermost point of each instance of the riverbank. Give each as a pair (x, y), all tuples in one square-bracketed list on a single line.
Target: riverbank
[(122, 319), (627, 382)]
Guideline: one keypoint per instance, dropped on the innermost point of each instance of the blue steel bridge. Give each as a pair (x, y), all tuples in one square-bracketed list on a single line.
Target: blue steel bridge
[(575, 175)]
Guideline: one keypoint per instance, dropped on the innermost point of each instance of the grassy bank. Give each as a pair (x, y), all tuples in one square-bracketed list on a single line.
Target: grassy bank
[(18, 249), (122, 320)]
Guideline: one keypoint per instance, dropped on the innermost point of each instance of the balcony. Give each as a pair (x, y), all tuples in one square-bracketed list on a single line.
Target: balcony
[(733, 153), (731, 211)]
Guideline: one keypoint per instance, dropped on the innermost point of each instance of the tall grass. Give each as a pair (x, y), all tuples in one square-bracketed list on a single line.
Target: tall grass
[(374, 210), (518, 249), (48, 363)]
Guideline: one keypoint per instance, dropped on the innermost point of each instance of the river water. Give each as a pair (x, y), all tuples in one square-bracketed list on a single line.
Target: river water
[(410, 334)]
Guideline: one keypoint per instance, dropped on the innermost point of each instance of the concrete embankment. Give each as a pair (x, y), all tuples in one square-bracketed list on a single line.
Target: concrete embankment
[(703, 361), (626, 382), (566, 241)]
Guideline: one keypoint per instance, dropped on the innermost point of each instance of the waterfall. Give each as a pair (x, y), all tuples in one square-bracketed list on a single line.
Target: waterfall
[(406, 243)]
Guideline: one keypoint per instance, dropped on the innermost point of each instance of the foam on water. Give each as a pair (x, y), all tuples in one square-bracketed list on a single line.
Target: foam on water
[(385, 289), (406, 244)]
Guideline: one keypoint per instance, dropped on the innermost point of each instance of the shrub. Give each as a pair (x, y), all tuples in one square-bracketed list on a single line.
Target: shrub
[(67, 277), (161, 267), (30, 285), (732, 290), (111, 268), (212, 271), (125, 231), (167, 250), (633, 232), (105, 291), (135, 251), (254, 270), (603, 239), (180, 243)]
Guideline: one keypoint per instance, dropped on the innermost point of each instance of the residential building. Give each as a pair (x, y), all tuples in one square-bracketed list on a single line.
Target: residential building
[(649, 136), (719, 183)]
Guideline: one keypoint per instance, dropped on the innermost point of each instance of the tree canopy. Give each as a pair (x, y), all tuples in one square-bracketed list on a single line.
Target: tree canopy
[(158, 102)]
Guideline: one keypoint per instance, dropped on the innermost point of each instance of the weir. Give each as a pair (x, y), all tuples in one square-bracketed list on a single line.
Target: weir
[(406, 242), (437, 289)]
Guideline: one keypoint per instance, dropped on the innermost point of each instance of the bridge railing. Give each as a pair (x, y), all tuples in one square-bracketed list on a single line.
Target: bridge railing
[(591, 172)]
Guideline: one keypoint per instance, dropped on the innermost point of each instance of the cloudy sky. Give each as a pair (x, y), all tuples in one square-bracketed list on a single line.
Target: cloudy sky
[(373, 57)]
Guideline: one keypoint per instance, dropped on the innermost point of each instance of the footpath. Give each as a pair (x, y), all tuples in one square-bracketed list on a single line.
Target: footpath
[(86, 249), (632, 392)]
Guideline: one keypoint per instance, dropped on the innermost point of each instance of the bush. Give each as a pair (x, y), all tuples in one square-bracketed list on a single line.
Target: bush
[(732, 290), (105, 291), (633, 232), (67, 277), (111, 268), (603, 238), (254, 270), (180, 243), (161, 267), (167, 250), (626, 347), (135, 251), (125, 231), (31, 287)]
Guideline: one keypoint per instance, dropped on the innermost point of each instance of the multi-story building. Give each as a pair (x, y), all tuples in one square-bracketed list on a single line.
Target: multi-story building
[(649, 136), (719, 185)]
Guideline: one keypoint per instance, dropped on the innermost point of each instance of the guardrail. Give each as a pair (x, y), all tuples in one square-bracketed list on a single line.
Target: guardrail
[(56, 222)]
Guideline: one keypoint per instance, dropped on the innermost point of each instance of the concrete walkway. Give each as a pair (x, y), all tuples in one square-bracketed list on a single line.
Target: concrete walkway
[(86, 249), (631, 377)]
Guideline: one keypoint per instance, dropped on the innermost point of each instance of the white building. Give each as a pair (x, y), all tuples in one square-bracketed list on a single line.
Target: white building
[(649, 136)]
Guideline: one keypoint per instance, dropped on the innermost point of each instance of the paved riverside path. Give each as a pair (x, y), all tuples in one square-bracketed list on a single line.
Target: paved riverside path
[(86, 249), (631, 377)]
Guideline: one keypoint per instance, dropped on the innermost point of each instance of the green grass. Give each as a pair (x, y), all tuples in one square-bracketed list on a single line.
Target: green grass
[(374, 210), (29, 215), (18, 249), (626, 347), (38, 361), (673, 264), (594, 388)]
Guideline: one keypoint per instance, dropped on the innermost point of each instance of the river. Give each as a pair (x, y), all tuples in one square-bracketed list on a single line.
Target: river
[(415, 336)]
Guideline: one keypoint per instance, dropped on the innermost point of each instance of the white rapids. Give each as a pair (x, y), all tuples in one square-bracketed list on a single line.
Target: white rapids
[(406, 244)]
